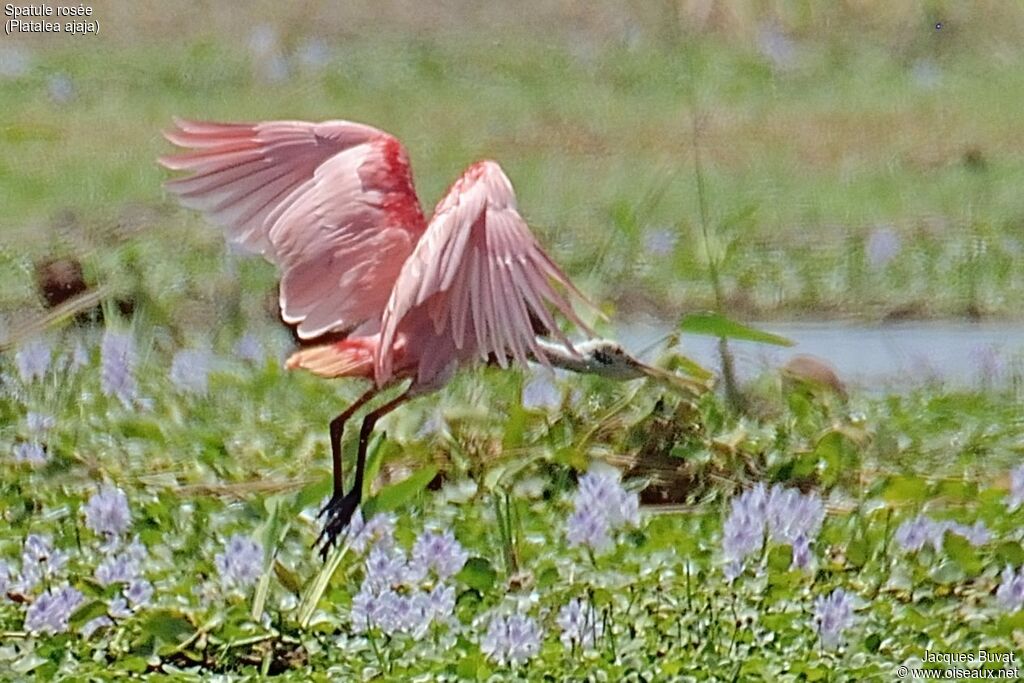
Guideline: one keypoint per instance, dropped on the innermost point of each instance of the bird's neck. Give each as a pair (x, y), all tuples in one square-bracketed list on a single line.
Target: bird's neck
[(561, 357)]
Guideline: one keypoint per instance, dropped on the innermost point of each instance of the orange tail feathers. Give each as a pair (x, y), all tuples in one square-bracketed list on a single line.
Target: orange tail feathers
[(346, 358)]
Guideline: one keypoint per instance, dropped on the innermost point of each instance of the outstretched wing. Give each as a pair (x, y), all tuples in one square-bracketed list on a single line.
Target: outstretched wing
[(332, 204), (480, 273)]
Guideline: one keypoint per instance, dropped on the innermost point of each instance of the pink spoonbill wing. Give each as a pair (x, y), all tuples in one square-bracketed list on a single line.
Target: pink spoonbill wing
[(479, 272), (332, 204)]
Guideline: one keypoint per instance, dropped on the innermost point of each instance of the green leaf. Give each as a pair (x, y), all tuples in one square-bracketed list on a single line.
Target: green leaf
[(478, 574), (906, 489), (396, 495), (87, 612), (287, 577), (167, 626), (717, 325), (1011, 553)]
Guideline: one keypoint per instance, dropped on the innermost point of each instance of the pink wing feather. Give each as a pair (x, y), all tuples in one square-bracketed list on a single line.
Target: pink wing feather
[(480, 272), (332, 204)]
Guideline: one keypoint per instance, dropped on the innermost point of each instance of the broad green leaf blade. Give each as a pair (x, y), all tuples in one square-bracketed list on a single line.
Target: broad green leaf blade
[(396, 495), (717, 325)]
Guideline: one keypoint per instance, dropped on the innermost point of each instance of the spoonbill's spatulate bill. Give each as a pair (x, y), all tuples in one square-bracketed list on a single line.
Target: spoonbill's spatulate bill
[(396, 296)]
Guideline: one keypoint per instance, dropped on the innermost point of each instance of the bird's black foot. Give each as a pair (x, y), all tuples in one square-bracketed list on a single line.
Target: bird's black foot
[(338, 513)]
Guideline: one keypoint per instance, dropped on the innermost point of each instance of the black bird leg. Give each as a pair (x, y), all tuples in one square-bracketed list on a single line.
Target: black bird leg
[(340, 509), (337, 429)]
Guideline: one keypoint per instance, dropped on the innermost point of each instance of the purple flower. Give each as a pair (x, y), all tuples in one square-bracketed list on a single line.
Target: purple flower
[(588, 527), (660, 241), (90, 627), (79, 357), (440, 552), (30, 452), (801, 553), (241, 563), (385, 567), (33, 360), (49, 613), (511, 639), (783, 515), (1010, 594), (60, 88), (913, 534), (743, 533), (190, 370), (541, 393), (118, 608), (249, 348), (38, 424), (580, 625), (380, 530), (107, 512), (883, 246), (601, 505), (977, 534), (832, 616), (441, 602), (39, 560), (1016, 497), (139, 592), (116, 568), (366, 607), (117, 367), (791, 514)]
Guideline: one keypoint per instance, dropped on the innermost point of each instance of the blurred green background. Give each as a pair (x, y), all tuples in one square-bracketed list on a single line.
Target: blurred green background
[(861, 158)]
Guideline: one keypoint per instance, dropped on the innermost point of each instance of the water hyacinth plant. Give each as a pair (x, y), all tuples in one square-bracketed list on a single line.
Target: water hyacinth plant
[(161, 473)]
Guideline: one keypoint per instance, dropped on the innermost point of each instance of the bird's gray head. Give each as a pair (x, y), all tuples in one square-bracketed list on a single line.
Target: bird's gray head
[(609, 359)]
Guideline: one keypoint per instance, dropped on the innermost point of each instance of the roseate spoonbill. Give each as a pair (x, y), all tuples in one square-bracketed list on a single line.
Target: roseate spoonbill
[(375, 290)]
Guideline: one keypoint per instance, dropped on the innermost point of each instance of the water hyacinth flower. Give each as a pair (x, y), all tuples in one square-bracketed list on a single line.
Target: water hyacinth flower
[(250, 349), (386, 567), (90, 627), (660, 241), (540, 392), (33, 360), (914, 534), (440, 552), (121, 564), (30, 452), (589, 528), (79, 357), (1010, 594), (511, 639), (883, 246), (783, 515), (380, 530), (117, 367), (49, 613), (580, 625), (601, 506), (743, 533), (39, 561), (38, 424), (241, 563), (832, 616), (107, 513), (1016, 497), (139, 593), (190, 370)]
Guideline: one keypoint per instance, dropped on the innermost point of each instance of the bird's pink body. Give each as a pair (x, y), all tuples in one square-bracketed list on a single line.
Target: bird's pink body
[(334, 206)]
